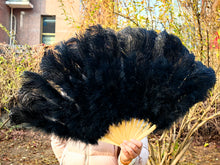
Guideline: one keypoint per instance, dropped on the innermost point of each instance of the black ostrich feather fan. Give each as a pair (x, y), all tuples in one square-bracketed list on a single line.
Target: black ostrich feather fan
[(102, 77)]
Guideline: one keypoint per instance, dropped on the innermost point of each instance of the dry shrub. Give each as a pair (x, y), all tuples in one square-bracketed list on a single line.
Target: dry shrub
[(13, 61)]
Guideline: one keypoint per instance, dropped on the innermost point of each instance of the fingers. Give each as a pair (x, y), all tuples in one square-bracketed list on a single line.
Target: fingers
[(137, 143), (128, 151), (132, 148)]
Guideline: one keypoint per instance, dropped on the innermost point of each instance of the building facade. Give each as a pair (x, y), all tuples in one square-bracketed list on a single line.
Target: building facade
[(35, 21)]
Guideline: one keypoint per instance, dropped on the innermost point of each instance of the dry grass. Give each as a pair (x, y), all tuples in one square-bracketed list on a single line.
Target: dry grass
[(13, 61)]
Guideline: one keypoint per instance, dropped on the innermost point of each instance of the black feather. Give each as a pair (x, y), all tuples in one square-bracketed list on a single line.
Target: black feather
[(102, 77)]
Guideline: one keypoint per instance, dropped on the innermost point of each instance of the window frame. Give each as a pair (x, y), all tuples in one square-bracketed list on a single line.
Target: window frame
[(41, 31)]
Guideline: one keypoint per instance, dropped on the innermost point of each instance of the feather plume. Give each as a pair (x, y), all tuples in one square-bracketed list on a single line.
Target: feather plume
[(104, 78)]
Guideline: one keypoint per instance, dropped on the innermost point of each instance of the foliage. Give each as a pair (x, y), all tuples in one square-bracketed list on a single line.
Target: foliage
[(5, 29), (13, 61), (10, 34), (92, 12), (194, 21)]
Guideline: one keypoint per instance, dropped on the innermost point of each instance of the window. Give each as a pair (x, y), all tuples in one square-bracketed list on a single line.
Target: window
[(48, 29)]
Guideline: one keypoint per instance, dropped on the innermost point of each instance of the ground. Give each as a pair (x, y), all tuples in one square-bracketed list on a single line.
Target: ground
[(25, 147), (19, 147), (200, 155)]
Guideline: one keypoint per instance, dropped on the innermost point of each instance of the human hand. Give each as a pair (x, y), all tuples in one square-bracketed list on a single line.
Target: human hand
[(130, 150)]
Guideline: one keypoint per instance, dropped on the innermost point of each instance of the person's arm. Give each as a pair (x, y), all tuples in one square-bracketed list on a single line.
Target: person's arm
[(58, 145), (134, 152)]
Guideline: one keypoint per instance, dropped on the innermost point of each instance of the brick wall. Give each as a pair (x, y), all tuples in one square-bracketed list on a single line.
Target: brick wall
[(28, 21), (4, 20)]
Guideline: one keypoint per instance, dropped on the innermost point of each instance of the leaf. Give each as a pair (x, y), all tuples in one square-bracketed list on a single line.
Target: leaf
[(206, 144)]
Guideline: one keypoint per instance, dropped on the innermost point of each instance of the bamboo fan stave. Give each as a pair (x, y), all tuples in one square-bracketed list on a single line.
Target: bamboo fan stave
[(127, 130)]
